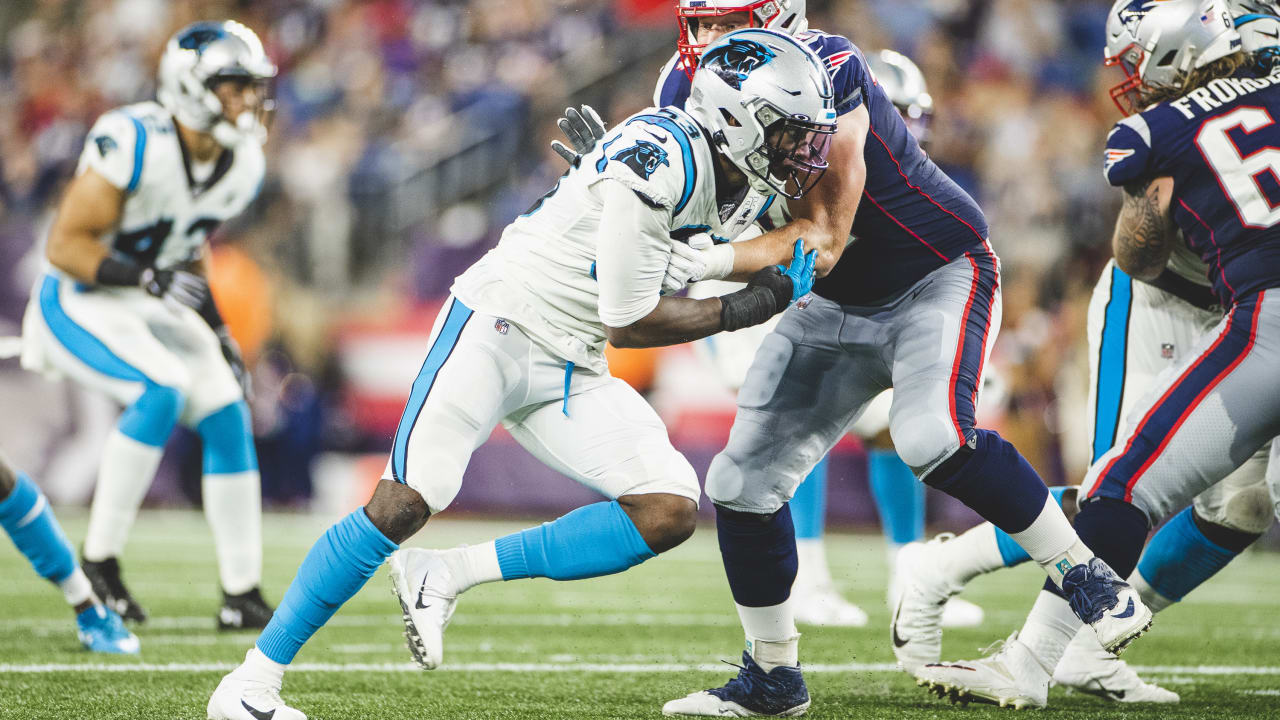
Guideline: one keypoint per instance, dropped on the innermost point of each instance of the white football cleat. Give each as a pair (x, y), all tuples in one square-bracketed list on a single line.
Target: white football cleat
[(960, 613), (1112, 606), (1010, 677), (1088, 668), (423, 582), (916, 625), (823, 605), (242, 696)]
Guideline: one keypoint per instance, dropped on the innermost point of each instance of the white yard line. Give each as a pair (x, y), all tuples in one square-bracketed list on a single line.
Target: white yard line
[(1198, 670)]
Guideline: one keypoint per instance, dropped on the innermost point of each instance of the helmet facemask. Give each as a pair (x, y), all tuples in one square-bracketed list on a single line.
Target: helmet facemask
[(255, 117), (760, 13), (1128, 93), (793, 155)]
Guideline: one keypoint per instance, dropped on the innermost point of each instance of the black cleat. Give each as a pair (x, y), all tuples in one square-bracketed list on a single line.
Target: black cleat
[(104, 576), (246, 611)]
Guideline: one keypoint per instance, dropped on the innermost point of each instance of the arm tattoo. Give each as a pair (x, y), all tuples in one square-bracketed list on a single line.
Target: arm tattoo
[(1143, 232)]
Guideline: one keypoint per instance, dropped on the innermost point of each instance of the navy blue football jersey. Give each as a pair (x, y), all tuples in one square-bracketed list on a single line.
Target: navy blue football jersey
[(1221, 146), (912, 218)]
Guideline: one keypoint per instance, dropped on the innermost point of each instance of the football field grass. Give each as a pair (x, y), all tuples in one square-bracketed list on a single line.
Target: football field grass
[(614, 647)]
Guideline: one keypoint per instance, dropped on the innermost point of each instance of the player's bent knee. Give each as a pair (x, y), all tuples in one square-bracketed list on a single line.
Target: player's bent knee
[(1247, 510), (397, 510), (152, 416), (662, 519), (924, 440)]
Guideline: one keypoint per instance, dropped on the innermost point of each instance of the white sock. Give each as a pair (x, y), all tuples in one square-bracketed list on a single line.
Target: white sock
[(970, 554), (233, 508), (474, 565), (1152, 599), (1052, 542), (812, 570), (127, 469), (1050, 626), (76, 588), (772, 638), (260, 667)]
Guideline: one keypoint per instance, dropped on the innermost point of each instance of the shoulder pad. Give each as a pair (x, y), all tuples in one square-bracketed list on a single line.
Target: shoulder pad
[(652, 153), (1128, 151)]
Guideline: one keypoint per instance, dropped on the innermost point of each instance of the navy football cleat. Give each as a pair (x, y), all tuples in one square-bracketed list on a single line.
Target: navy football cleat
[(780, 692), (1101, 599)]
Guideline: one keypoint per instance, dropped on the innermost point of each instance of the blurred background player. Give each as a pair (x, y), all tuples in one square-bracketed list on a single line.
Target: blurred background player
[(898, 496), (1149, 333), (27, 518), (522, 340), (124, 306)]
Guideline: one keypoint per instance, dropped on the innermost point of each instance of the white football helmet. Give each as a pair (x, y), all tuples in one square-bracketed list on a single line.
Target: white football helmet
[(782, 15), (199, 56), (903, 82), (1157, 42), (1258, 22), (768, 105)]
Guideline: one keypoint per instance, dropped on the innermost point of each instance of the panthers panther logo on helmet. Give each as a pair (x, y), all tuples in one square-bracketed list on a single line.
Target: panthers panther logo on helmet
[(734, 61), (644, 158)]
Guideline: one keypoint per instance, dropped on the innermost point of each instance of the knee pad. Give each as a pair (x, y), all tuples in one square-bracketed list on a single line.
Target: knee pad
[(724, 481), (1248, 510), (151, 417), (924, 440), (729, 487), (228, 440)]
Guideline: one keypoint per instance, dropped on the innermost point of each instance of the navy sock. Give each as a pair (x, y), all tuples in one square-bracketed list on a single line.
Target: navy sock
[(994, 480), (759, 554)]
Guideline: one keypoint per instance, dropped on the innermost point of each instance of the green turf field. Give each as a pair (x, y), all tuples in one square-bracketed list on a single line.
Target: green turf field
[(608, 648)]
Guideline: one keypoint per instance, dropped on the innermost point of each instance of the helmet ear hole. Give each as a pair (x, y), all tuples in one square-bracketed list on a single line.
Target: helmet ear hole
[(729, 119)]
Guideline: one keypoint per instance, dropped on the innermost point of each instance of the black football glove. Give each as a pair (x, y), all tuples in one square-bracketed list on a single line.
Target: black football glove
[(583, 129)]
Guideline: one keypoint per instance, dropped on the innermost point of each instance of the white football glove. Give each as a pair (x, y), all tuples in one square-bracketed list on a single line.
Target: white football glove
[(697, 258)]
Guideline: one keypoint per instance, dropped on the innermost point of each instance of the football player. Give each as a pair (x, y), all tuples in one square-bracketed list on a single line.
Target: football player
[(26, 516), (913, 304), (1187, 163), (124, 307), (899, 499), (521, 341)]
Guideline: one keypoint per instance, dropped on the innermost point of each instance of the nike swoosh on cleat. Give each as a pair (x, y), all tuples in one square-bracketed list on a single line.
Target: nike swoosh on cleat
[(1116, 694), (258, 713), (897, 640), (423, 589), (1128, 611)]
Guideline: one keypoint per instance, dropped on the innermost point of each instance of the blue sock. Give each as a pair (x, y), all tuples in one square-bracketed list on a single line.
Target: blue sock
[(339, 564), (594, 540), (227, 435), (1012, 552), (809, 504), (26, 516), (899, 496), (1180, 557), (994, 480), (759, 555)]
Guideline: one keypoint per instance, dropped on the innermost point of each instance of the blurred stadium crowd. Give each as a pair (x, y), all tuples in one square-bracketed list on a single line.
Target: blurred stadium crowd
[(407, 133)]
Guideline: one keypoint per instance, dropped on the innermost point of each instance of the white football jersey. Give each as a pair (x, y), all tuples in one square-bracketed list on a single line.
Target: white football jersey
[(542, 274), (167, 214)]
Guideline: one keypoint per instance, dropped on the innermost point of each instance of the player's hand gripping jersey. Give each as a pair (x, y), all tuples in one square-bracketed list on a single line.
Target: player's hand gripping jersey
[(167, 213), (912, 220), (563, 270), (1220, 144)]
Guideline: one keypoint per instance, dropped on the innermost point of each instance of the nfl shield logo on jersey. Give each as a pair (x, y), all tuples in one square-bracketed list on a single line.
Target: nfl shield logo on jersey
[(501, 326), (1166, 351)]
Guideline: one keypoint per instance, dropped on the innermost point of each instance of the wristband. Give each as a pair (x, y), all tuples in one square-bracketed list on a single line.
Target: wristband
[(749, 306), (112, 271)]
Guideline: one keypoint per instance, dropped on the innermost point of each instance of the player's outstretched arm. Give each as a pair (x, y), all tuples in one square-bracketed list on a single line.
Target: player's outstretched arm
[(824, 215), (1145, 231), (90, 208)]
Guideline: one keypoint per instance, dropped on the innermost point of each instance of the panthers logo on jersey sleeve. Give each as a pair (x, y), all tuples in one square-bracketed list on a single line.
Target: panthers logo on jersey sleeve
[(644, 158), (735, 61), (652, 154)]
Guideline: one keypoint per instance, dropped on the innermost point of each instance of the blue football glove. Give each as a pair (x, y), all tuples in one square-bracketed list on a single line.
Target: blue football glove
[(801, 270)]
